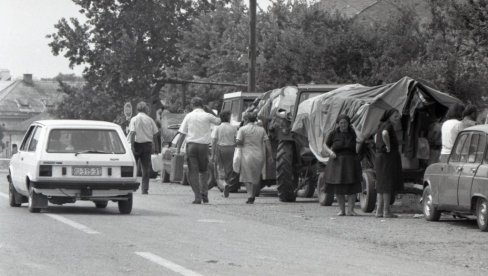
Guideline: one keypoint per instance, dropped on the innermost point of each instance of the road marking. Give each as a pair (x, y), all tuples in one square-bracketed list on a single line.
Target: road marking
[(73, 224), (211, 220), (4, 195), (167, 264)]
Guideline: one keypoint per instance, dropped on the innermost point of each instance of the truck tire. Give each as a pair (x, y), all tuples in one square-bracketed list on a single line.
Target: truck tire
[(309, 188), (326, 199), (367, 197), (286, 177)]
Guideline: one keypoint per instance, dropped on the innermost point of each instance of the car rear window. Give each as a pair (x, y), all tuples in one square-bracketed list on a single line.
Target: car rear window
[(85, 140)]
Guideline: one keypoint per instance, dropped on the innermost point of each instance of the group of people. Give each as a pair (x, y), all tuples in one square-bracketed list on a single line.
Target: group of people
[(249, 143), (343, 170)]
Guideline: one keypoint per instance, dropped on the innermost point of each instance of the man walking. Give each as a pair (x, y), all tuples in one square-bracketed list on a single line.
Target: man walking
[(196, 128), (142, 128)]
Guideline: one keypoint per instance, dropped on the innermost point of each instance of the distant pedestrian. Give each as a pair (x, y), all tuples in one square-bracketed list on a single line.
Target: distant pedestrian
[(450, 129), (252, 140), (142, 129), (343, 170), (127, 116), (196, 128), (470, 114), (223, 147), (388, 163)]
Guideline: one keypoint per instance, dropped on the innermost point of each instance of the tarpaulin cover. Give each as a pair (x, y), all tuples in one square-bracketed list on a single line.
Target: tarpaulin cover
[(316, 117)]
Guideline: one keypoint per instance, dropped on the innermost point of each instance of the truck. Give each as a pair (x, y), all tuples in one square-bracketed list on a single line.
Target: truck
[(296, 168)]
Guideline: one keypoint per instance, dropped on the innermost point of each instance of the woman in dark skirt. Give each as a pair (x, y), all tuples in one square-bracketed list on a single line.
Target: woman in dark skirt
[(343, 170), (388, 164)]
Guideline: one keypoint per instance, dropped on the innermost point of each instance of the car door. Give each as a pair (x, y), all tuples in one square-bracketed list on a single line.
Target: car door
[(31, 157), (475, 157), (448, 189), (18, 160)]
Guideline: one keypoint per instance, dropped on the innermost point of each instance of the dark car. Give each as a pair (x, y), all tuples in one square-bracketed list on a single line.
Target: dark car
[(460, 185), (169, 151)]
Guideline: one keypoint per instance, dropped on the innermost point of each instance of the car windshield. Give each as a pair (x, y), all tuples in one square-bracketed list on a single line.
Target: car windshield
[(85, 141)]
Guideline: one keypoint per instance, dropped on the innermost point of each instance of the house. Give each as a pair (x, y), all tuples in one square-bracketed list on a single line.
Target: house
[(23, 102)]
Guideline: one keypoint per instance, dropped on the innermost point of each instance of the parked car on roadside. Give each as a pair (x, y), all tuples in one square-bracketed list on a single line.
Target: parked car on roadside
[(62, 161), (460, 185), (169, 151)]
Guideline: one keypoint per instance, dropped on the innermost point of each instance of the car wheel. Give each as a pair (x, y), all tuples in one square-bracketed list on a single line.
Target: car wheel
[(368, 194), (430, 211), (101, 204), (326, 199), (482, 214), (33, 201), (125, 206), (13, 195), (165, 176), (184, 180)]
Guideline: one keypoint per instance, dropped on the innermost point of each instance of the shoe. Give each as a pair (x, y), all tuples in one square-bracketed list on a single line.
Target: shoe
[(250, 200), (144, 192), (205, 199), (196, 201), (226, 191), (340, 214)]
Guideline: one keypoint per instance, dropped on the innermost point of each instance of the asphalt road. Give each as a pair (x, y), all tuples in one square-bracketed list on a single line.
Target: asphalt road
[(166, 235)]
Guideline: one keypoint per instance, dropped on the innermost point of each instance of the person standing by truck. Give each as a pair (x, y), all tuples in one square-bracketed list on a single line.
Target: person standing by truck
[(450, 129), (196, 129), (343, 170), (388, 163)]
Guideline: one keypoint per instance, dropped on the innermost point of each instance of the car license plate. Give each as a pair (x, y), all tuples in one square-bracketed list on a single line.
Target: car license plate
[(87, 171)]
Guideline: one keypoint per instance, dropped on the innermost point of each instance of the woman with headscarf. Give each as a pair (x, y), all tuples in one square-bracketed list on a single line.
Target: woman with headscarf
[(343, 170), (388, 163), (252, 140)]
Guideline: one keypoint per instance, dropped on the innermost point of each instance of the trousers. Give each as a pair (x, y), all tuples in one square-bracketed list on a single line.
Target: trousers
[(197, 160), (142, 153)]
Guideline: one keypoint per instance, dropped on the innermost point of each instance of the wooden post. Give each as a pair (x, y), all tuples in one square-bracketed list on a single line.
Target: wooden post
[(252, 47), (183, 95)]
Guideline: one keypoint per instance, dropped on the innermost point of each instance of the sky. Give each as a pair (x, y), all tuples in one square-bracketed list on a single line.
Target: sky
[(24, 25)]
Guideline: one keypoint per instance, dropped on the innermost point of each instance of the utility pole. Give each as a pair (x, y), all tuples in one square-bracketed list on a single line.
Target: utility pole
[(251, 87)]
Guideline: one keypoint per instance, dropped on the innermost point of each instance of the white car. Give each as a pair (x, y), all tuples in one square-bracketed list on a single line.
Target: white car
[(61, 161)]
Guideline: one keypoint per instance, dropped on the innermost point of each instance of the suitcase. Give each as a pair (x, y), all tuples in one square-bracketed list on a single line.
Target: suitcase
[(176, 174)]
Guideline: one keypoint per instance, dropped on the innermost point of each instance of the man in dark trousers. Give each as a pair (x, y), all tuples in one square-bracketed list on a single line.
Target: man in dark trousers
[(142, 129), (196, 128)]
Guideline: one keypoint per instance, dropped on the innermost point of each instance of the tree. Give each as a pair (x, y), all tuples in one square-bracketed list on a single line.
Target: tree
[(128, 48)]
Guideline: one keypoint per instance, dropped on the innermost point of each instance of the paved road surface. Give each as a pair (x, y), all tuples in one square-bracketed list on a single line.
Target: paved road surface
[(165, 235)]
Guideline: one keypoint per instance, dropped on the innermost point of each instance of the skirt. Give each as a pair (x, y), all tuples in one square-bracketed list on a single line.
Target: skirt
[(343, 175), (343, 189), (389, 176)]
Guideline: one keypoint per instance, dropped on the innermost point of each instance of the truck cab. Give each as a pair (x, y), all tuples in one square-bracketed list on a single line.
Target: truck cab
[(237, 103)]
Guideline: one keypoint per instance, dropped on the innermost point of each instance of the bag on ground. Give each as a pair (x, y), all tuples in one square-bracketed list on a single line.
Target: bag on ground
[(177, 161)]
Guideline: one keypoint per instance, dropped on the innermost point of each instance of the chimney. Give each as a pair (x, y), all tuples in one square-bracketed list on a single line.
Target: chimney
[(28, 79)]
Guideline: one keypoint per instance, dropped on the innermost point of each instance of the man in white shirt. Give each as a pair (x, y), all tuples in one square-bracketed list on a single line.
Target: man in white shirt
[(450, 129), (196, 128), (142, 128)]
